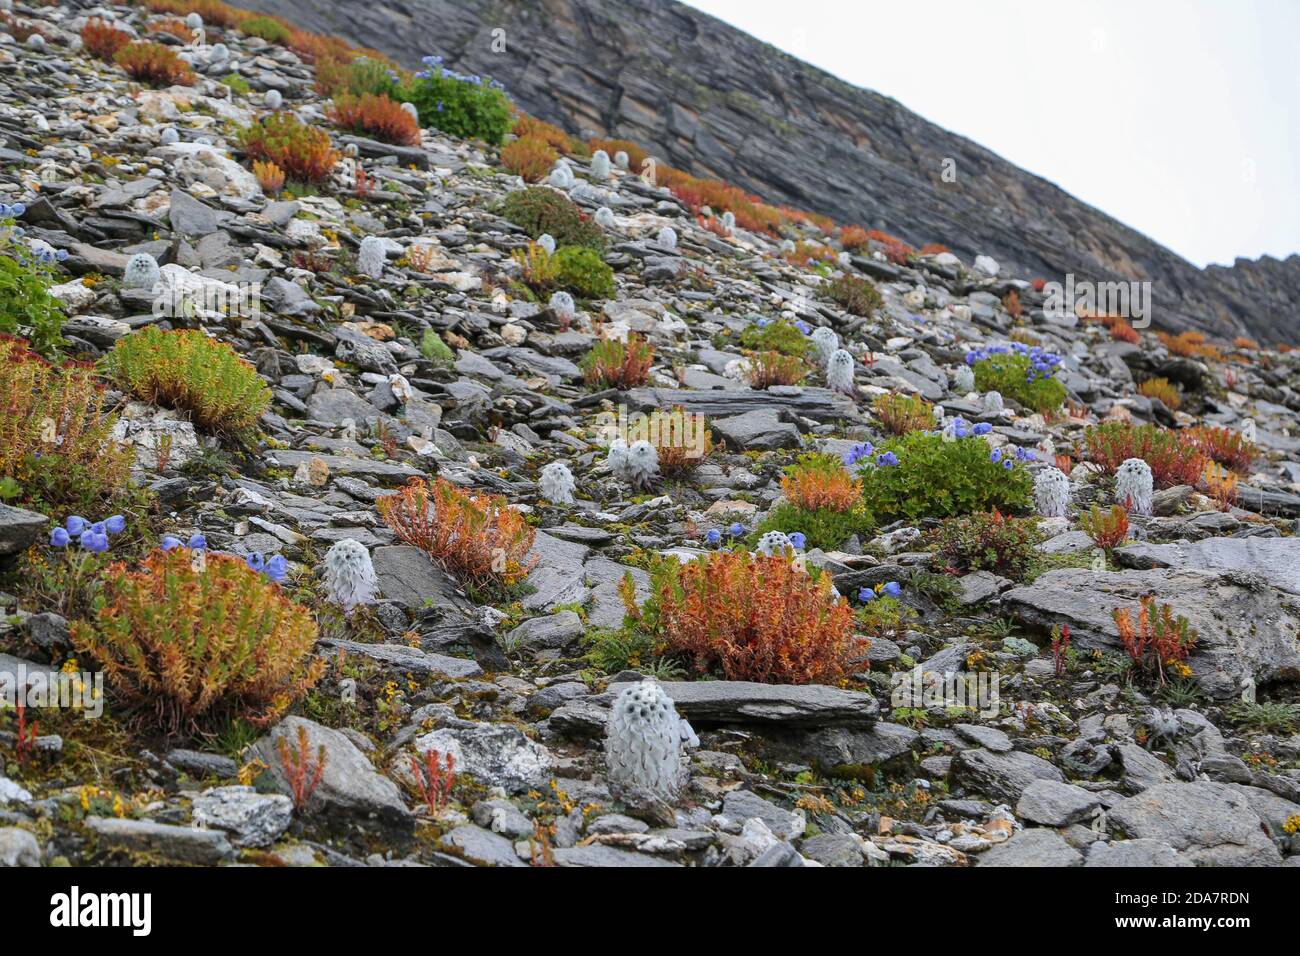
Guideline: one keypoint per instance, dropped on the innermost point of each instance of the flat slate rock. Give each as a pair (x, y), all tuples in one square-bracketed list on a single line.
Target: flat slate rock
[(745, 702), (819, 404), (1276, 560)]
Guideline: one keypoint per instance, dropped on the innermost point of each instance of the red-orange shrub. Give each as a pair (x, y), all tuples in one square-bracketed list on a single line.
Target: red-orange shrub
[(749, 617), (1107, 529), (853, 238), (1158, 639), (376, 116), (820, 481), (531, 127), (900, 414), (772, 368), (155, 64), (1224, 445), (102, 41), (303, 152), (529, 157), (480, 538), (1173, 459)]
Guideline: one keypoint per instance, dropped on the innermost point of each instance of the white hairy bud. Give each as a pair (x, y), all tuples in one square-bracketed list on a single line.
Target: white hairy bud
[(273, 99), (349, 575), (141, 272), (1133, 486), (643, 743), (561, 176), (774, 543), (839, 372), (600, 165), (1052, 493), (1248, 429), (169, 136), (621, 160), (371, 258), (667, 238), (547, 242), (562, 305), (729, 221), (400, 387), (964, 380), (826, 342), (642, 464), (557, 483), (616, 458), (605, 217), (992, 404)]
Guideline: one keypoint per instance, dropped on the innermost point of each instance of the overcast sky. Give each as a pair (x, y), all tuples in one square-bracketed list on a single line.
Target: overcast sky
[(1180, 118)]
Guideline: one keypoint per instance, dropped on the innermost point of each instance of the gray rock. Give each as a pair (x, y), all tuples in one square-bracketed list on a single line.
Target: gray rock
[(1002, 777), (495, 755), (1243, 628), (759, 430), (1276, 560), (502, 816), (1135, 853), (979, 586), (598, 855), (1037, 846), (742, 805), (190, 217), (990, 737), (251, 818), (407, 576), (481, 846), (409, 659), (350, 787), (18, 848), (833, 849), (744, 702), (180, 844), (1054, 804), (779, 854), (1212, 824), (554, 631), (834, 748), (19, 528)]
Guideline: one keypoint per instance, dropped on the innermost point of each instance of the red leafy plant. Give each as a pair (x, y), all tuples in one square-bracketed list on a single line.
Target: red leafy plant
[(1157, 640)]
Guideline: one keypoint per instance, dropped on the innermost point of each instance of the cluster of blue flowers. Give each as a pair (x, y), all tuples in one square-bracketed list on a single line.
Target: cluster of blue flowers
[(713, 537), (276, 567), (12, 212), (89, 536), (436, 69), (864, 451), (961, 428), (1041, 362), (1008, 462), (44, 256), (888, 589)]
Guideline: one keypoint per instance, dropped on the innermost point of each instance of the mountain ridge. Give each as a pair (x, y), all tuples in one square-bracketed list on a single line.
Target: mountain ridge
[(715, 101)]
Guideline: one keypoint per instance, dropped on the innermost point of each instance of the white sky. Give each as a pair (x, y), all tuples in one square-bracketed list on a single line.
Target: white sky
[(1180, 118)]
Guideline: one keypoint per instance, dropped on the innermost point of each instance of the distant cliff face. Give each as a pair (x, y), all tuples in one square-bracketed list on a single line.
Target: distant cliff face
[(712, 100)]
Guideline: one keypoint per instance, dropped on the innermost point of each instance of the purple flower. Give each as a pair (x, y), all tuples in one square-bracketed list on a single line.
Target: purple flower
[(59, 538), (983, 428), (858, 452), (75, 525), (198, 542), (713, 536), (736, 530), (99, 528), (1008, 464), (256, 561), (797, 539), (277, 568), (170, 542), (802, 326), (866, 595), (115, 525), (995, 455), (93, 541), (886, 459), (892, 588)]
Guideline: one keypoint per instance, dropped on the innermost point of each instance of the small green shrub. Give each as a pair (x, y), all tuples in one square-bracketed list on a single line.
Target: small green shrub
[(538, 210), (435, 349), (988, 541), (1022, 376), (583, 272), (269, 29), (779, 335), (26, 306), (823, 528), (612, 363), (856, 295), (465, 106), (938, 478), (237, 84), (186, 370)]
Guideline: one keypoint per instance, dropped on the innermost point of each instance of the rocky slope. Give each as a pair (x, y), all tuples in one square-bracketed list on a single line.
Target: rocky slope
[(1088, 763), (714, 101)]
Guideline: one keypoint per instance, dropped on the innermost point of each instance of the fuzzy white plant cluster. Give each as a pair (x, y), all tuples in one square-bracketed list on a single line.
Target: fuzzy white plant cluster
[(774, 543), (141, 272), (729, 221), (667, 239), (547, 242), (638, 465), (1052, 493), (992, 403), (600, 165), (169, 136), (605, 217), (621, 160), (839, 372), (644, 736), (826, 342), (349, 575), (561, 303), (557, 483), (273, 100), (371, 257), (964, 380), (1133, 486), (561, 176)]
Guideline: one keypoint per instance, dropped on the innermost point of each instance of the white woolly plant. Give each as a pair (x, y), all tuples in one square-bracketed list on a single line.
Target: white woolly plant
[(411, 108), (547, 242), (561, 303), (621, 160), (218, 53), (273, 99), (637, 465), (643, 743), (1133, 486), (194, 21), (826, 342), (964, 380), (839, 372), (557, 483), (992, 403), (605, 217), (600, 165), (169, 136), (141, 272), (1052, 493), (371, 257), (729, 221), (349, 575), (667, 239), (561, 176), (774, 543)]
